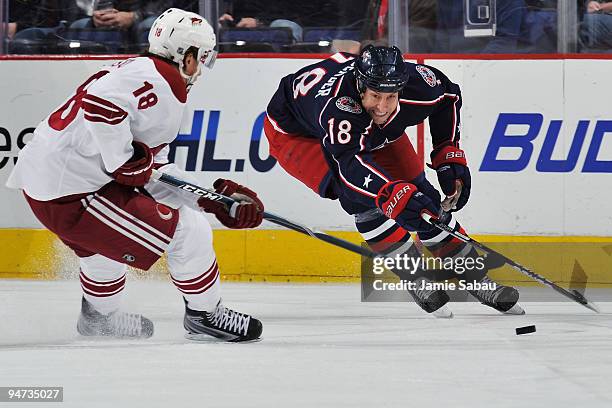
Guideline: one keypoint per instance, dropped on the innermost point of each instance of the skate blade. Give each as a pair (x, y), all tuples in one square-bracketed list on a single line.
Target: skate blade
[(99, 337), (205, 338), (515, 310), (443, 313)]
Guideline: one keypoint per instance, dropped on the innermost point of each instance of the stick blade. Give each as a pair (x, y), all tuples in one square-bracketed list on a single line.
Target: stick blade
[(592, 306), (584, 301)]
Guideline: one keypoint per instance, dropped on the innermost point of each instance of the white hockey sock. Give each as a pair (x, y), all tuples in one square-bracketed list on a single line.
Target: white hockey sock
[(102, 281), (192, 261), (203, 291)]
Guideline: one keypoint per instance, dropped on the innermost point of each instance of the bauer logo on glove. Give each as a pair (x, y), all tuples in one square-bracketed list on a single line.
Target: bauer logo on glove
[(402, 202), (392, 203)]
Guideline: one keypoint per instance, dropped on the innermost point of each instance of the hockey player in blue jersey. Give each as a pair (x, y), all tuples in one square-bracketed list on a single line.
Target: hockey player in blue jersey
[(338, 127)]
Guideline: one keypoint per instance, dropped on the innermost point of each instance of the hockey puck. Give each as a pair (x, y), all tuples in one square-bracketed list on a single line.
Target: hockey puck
[(525, 330)]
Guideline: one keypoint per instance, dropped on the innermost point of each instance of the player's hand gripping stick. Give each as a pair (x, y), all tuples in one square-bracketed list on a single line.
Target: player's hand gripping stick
[(232, 206)]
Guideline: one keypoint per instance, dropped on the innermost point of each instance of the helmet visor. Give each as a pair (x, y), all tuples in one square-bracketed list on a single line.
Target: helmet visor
[(208, 57)]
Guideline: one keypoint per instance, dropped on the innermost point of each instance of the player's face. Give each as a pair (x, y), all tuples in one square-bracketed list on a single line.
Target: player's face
[(380, 105)]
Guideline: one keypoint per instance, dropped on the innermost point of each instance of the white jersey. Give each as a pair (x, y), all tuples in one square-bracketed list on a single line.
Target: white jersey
[(77, 146)]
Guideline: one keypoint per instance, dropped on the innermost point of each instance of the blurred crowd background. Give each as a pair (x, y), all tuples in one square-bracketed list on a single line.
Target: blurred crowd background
[(316, 26)]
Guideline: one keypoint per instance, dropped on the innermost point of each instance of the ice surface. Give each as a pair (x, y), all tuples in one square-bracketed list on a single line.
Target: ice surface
[(322, 347)]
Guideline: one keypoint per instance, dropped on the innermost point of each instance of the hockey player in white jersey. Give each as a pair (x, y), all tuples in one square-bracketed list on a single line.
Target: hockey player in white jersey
[(86, 176)]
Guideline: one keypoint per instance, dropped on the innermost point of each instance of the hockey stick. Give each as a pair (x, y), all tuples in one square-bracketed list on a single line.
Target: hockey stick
[(273, 218), (573, 294)]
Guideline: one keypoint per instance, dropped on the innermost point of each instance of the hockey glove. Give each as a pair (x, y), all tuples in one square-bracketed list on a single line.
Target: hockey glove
[(249, 213), (453, 175), (136, 171), (402, 202)]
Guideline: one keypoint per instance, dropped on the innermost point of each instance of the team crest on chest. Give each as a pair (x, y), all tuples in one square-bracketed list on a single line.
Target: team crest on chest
[(348, 104), (428, 75)]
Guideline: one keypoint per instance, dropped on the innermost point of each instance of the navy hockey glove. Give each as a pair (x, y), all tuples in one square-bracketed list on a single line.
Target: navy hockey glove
[(136, 171), (249, 212), (402, 202), (453, 175)]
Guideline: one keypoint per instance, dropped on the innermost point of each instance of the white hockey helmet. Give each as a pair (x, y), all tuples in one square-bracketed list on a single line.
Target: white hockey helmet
[(175, 31)]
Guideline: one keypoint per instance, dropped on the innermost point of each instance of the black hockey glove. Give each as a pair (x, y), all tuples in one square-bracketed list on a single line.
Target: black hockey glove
[(402, 202), (453, 175)]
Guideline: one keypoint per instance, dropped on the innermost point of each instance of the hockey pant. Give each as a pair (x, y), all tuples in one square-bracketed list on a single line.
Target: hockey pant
[(191, 258)]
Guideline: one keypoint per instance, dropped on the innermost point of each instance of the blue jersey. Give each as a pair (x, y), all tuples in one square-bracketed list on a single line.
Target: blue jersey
[(322, 101)]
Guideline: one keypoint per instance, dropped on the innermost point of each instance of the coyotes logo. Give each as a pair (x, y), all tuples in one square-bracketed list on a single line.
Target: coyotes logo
[(164, 212), (196, 21)]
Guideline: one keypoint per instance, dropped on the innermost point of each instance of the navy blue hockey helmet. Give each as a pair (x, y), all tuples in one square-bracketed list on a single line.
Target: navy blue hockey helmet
[(381, 69)]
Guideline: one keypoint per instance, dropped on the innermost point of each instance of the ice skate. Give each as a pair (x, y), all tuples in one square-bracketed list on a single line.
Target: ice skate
[(431, 301), (501, 298), (116, 324), (223, 323)]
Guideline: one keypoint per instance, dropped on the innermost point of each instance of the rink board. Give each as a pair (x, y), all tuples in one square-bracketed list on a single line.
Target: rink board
[(291, 257), (553, 182)]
